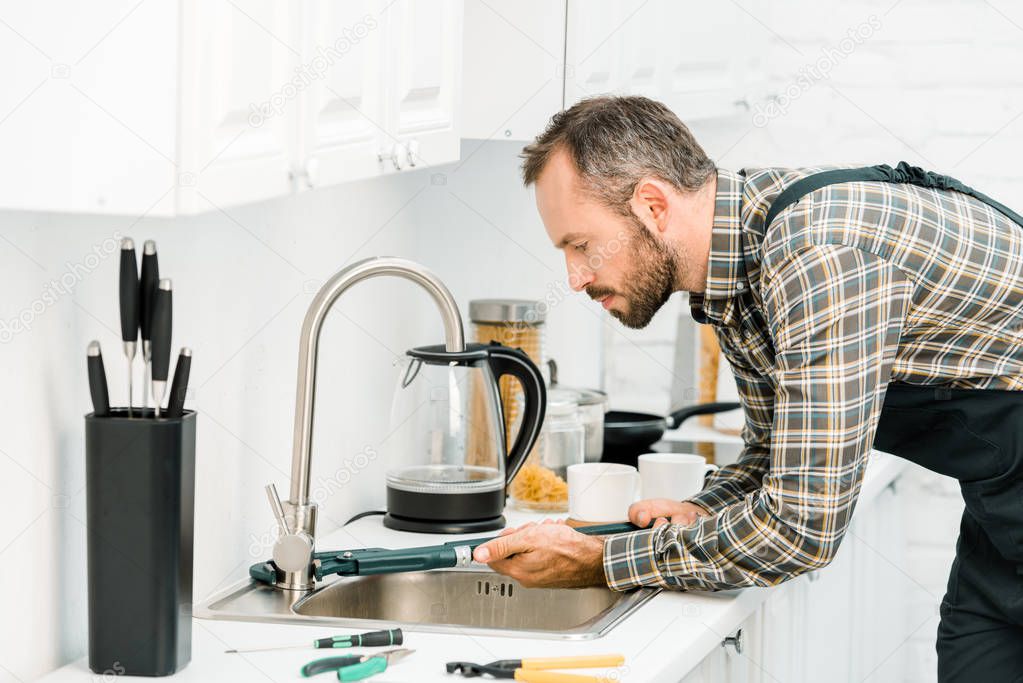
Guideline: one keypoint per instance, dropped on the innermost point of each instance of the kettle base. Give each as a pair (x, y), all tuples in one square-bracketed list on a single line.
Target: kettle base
[(443, 526)]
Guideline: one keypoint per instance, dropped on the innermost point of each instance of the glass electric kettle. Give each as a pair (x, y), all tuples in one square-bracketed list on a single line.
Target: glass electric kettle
[(448, 463)]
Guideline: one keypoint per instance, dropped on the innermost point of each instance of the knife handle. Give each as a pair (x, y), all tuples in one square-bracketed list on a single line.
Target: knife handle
[(176, 401), (162, 331), (148, 283), (128, 292), (97, 381)]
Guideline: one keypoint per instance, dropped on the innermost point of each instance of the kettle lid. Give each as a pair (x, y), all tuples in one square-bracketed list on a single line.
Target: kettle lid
[(437, 354)]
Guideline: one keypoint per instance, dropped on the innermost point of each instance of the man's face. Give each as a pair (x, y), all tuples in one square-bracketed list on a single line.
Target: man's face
[(617, 260)]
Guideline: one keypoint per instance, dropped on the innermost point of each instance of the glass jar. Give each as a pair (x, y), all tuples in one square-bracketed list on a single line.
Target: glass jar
[(518, 323), (542, 482)]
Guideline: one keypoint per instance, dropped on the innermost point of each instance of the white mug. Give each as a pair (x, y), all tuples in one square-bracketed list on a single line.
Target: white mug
[(672, 475), (601, 491)]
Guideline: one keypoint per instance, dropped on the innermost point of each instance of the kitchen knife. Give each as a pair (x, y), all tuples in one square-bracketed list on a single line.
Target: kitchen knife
[(97, 380), (176, 401), (128, 285), (148, 282), (161, 341)]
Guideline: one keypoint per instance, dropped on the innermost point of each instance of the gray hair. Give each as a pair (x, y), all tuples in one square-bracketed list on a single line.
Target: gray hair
[(615, 142)]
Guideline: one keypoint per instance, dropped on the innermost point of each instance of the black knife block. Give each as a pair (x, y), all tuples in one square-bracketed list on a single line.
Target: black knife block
[(140, 491)]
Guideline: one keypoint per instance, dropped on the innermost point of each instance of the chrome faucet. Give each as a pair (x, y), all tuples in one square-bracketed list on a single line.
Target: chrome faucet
[(293, 550)]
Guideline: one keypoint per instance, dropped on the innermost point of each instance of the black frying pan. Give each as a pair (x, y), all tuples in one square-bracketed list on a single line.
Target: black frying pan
[(627, 435)]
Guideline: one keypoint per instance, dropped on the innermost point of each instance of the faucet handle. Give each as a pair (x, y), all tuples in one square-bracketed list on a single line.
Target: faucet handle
[(293, 550), (278, 509)]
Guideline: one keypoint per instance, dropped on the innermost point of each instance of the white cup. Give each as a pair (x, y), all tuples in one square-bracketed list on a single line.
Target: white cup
[(601, 491), (672, 475)]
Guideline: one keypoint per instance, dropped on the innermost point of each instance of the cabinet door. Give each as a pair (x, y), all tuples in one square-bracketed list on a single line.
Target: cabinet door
[(699, 68), (239, 101), (424, 41), (829, 607), (87, 113), (880, 620), (343, 114), (780, 648), (514, 54), (593, 47), (689, 58)]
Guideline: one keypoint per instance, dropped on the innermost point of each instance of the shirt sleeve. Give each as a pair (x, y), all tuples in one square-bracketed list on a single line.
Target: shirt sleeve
[(835, 315), (731, 483)]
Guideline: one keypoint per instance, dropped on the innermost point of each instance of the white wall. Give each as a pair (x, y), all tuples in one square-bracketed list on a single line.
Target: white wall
[(937, 83), (242, 283)]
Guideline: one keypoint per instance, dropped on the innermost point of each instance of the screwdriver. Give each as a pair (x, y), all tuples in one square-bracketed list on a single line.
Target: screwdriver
[(369, 639)]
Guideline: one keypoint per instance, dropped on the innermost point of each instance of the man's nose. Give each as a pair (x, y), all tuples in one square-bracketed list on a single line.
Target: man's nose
[(579, 276)]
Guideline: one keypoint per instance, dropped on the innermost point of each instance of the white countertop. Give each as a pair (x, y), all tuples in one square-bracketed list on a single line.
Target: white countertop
[(661, 641)]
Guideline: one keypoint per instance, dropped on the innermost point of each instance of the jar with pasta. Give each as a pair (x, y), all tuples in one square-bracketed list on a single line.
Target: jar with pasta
[(542, 482), (518, 323)]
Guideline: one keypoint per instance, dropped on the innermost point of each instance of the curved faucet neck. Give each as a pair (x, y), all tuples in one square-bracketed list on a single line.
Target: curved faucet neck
[(324, 300)]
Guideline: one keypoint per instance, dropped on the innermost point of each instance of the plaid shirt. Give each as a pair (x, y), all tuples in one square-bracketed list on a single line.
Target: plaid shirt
[(854, 286)]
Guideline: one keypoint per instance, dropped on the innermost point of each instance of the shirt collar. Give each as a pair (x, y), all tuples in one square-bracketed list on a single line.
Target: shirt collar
[(726, 277)]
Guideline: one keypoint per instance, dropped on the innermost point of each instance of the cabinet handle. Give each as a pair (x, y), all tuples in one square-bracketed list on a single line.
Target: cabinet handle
[(735, 641), (312, 173), (411, 152), (394, 155)]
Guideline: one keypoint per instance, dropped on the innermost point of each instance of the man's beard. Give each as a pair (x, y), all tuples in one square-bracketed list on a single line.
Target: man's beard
[(647, 288)]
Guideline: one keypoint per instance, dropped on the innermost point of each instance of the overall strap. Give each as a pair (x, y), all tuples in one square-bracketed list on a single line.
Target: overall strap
[(903, 173)]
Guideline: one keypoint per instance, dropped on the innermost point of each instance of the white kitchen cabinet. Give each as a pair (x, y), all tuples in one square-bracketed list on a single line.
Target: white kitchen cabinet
[(425, 76), (685, 55), (389, 101), (513, 72), (547, 56), (343, 112), (735, 659), (880, 621), (196, 105), (237, 140), (848, 619)]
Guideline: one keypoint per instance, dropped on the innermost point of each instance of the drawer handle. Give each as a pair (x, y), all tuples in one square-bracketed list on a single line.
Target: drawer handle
[(735, 641)]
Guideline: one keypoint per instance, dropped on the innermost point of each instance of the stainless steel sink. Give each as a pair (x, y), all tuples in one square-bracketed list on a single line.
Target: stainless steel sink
[(462, 601)]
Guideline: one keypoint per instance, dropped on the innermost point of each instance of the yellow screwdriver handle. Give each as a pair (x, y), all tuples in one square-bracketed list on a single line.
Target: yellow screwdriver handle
[(535, 676), (583, 662)]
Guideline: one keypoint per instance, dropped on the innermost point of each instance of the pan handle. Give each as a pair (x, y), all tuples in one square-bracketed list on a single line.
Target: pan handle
[(683, 414)]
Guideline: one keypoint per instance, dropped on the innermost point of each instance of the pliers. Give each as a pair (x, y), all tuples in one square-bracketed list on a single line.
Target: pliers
[(355, 667)]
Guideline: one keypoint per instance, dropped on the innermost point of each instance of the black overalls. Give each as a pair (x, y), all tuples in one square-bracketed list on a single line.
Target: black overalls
[(976, 436)]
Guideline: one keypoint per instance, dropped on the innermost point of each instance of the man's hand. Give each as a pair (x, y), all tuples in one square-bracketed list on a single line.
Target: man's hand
[(547, 555), (664, 510)]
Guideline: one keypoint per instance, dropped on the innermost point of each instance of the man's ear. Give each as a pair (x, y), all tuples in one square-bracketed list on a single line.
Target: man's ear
[(650, 203)]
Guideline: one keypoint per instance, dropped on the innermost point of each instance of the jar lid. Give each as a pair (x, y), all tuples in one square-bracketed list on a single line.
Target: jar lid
[(561, 402), (507, 311), (586, 397)]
